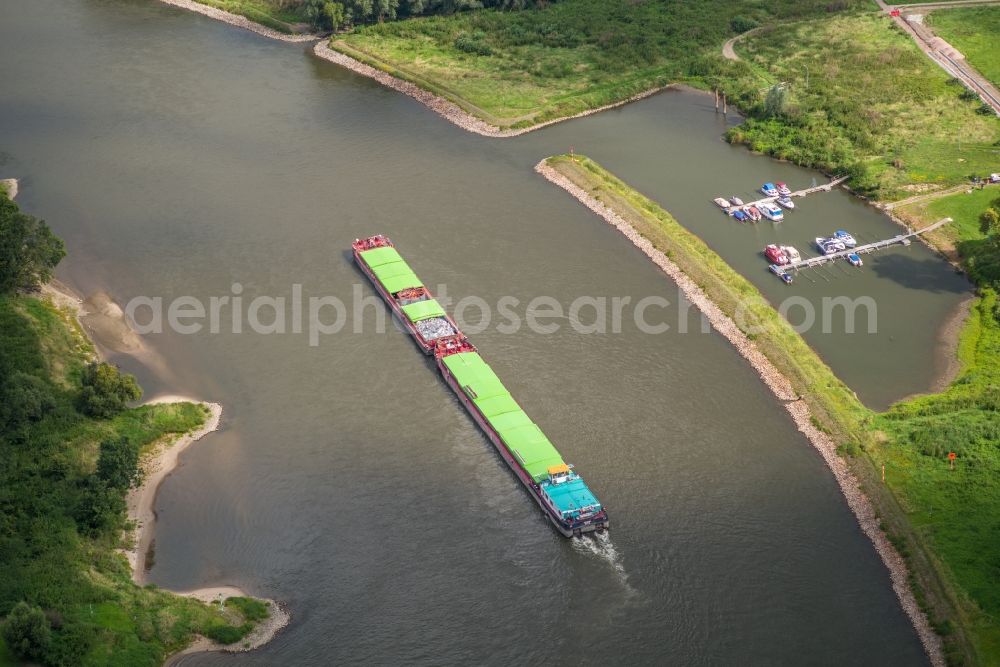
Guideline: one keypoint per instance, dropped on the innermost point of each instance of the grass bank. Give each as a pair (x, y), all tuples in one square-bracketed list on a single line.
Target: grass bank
[(515, 69), (975, 32), (945, 524), (858, 96), (61, 529), (284, 18)]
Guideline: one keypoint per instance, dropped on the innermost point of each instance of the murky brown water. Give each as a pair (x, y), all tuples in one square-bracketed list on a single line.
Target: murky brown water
[(177, 156)]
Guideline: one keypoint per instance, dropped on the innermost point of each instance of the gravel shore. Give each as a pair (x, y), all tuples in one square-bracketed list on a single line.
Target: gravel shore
[(449, 110), (797, 408), (238, 21), (10, 187)]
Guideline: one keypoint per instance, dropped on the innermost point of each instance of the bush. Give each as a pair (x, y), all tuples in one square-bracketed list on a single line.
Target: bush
[(741, 24), (106, 391), (118, 464), (227, 634), (252, 610), (26, 631), (24, 398), (472, 44)]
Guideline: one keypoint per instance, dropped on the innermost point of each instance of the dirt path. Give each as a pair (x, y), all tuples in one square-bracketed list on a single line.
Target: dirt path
[(941, 52), (728, 49)]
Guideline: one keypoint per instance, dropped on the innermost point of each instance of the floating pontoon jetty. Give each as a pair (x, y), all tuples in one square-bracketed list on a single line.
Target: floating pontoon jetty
[(826, 187), (902, 239), (562, 494)]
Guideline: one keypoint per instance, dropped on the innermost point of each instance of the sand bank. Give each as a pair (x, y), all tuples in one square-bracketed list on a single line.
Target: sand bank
[(449, 110), (239, 21), (157, 465), (857, 501)]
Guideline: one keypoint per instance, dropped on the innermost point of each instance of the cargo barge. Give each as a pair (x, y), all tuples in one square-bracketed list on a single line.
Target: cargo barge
[(559, 491), (411, 302)]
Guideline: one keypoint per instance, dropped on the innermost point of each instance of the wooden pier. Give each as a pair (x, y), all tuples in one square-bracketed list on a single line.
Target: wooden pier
[(902, 239), (826, 187)]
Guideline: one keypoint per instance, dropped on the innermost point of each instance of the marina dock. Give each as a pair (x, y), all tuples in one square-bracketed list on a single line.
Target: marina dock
[(826, 187), (902, 239)]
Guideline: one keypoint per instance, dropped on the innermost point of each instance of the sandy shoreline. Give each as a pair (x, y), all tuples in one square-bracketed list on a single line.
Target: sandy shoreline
[(238, 21), (857, 501), (448, 109), (140, 501)]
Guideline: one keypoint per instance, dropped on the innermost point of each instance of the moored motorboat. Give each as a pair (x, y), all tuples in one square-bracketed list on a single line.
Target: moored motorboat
[(736, 201), (721, 203), (829, 246), (783, 189), (855, 259), (845, 238), (740, 215), (791, 253), (769, 190), (786, 202), (775, 255), (771, 212), (781, 273), (753, 212)]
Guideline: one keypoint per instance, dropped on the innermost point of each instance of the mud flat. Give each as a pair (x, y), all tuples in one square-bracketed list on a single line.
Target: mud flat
[(780, 386)]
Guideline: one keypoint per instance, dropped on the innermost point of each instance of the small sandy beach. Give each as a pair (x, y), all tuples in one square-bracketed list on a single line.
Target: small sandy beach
[(9, 186), (157, 466)]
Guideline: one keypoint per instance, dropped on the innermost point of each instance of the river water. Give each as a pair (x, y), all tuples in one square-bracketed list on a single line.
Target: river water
[(178, 156)]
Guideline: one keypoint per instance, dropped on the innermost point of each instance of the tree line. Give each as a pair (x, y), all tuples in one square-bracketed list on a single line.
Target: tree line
[(338, 14)]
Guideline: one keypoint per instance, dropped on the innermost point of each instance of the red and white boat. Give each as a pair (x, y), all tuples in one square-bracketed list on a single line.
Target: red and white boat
[(775, 255)]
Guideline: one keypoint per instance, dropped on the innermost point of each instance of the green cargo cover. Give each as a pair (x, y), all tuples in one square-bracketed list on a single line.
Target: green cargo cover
[(509, 420), (422, 310), (530, 446), (474, 375), (405, 281), (391, 270), (379, 256), (496, 405)]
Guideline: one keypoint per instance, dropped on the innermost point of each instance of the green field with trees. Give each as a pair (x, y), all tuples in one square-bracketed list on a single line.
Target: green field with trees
[(945, 522), (71, 449), (852, 93), (516, 69), (975, 32)]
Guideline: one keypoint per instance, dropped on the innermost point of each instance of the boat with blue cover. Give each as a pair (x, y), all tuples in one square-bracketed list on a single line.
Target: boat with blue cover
[(559, 490)]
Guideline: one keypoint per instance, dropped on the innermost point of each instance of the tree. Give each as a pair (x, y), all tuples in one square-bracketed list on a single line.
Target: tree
[(24, 398), (106, 390), (28, 249), (26, 631), (776, 101), (118, 464), (989, 222)]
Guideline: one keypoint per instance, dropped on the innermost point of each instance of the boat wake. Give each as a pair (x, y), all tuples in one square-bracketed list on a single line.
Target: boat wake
[(600, 545)]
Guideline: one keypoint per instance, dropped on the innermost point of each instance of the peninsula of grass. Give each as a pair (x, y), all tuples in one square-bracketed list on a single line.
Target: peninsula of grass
[(858, 96), (944, 522), (521, 68), (975, 32)]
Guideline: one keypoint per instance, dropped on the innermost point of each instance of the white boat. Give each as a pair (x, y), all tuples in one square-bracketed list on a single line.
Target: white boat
[(855, 259), (721, 203), (784, 189), (771, 212), (786, 202), (845, 238), (829, 246), (736, 201), (769, 190), (791, 253)]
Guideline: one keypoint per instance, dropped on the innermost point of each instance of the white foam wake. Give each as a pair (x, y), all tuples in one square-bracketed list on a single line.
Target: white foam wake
[(600, 545)]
